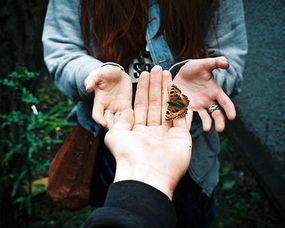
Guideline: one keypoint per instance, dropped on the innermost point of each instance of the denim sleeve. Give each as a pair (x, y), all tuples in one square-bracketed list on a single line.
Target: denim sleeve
[(64, 54), (227, 37)]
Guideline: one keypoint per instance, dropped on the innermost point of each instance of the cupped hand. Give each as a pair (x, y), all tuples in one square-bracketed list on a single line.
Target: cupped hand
[(146, 147), (113, 93), (195, 79)]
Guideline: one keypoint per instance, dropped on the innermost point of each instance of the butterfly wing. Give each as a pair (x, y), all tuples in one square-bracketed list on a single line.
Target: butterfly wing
[(174, 93), (177, 97), (184, 100), (174, 112), (178, 104)]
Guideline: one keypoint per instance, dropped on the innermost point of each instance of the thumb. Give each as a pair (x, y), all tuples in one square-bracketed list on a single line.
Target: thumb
[(124, 120), (214, 63), (91, 81)]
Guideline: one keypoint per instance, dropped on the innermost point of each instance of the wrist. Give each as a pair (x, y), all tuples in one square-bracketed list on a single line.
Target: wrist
[(148, 175), (113, 64)]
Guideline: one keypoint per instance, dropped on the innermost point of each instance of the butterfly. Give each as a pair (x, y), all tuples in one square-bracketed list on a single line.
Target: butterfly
[(177, 105)]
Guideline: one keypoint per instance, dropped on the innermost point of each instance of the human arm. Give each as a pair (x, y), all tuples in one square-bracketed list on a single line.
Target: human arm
[(113, 89), (226, 37), (65, 56), (195, 79), (141, 141), (131, 204), (75, 72), (150, 152)]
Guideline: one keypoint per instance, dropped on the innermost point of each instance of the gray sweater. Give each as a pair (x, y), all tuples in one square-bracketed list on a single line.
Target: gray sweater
[(69, 64)]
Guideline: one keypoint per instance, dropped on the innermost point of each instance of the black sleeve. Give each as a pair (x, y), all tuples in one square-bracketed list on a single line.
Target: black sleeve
[(134, 204)]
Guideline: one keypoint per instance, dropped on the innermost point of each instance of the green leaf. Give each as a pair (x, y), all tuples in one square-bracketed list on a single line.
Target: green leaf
[(28, 97), (61, 109), (18, 182), (228, 184), (21, 72), (10, 83), (29, 135), (20, 199), (255, 196), (225, 170), (11, 153), (14, 117)]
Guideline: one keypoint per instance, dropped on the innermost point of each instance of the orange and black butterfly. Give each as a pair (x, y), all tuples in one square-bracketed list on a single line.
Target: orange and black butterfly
[(177, 105)]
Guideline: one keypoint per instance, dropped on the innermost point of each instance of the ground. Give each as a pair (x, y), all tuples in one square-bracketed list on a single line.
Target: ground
[(241, 200)]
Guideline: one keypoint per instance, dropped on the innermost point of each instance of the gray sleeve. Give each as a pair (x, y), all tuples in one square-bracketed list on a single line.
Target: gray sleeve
[(227, 37), (64, 54)]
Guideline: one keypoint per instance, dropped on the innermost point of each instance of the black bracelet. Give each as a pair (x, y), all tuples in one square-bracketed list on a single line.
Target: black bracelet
[(176, 67)]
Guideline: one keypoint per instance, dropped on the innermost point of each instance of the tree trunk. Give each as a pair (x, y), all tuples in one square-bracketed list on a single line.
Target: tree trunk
[(21, 24)]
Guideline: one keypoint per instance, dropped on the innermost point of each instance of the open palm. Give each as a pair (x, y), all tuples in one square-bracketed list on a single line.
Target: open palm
[(113, 93), (196, 81), (141, 139), (151, 143)]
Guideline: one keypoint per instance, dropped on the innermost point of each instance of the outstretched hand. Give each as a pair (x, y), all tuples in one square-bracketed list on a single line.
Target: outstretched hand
[(196, 81), (146, 147), (113, 93)]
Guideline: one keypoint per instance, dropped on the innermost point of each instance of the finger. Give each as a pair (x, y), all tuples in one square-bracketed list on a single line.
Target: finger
[(154, 101), (189, 117), (180, 122), (166, 81), (206, 119), (109, 117), (91, 81), (227, 105), (141, 99), (219, 119), (116, 116), (125, 120), (97, 113), (214, 63)]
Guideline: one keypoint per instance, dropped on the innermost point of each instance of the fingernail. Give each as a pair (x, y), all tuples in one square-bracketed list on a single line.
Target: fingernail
[(225, 62), (87, 88)]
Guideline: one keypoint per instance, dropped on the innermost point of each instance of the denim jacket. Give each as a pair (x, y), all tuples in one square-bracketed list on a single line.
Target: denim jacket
[(69, 64)]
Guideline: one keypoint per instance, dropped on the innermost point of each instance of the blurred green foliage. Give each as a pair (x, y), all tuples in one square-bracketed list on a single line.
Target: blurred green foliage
[(29, 132), (241, 202)]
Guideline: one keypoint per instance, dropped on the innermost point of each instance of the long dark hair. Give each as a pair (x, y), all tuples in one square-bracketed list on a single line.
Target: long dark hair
[(118, 27)]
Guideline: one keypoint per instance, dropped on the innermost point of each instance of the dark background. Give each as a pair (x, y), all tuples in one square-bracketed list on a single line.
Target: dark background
[(253, 156), (260, 128)]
